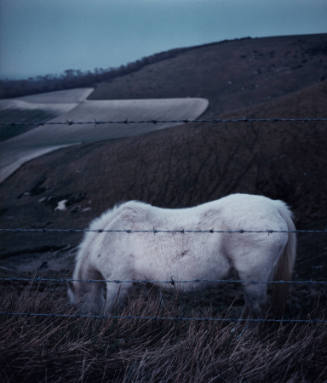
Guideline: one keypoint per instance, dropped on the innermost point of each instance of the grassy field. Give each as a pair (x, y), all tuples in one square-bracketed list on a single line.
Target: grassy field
[(144, 350)]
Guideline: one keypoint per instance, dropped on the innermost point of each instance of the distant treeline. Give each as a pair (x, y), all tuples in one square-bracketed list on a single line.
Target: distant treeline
[(75, 78)]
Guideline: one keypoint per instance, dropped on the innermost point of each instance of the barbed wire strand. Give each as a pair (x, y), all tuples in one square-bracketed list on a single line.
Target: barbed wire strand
[(154, 231), (170, 281), (154, 121), (171, 318)]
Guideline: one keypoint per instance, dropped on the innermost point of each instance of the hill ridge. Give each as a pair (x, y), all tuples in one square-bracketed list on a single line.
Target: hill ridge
[(237, 74)]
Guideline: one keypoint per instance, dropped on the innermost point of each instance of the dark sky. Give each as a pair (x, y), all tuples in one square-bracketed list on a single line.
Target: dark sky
[(48, 36)]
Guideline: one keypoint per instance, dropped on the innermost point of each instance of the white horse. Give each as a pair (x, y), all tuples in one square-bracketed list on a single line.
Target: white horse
[(161, 256)]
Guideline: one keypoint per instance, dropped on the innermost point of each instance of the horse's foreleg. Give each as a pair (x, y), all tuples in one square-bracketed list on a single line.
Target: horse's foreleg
[(88, 296), (116, 293)]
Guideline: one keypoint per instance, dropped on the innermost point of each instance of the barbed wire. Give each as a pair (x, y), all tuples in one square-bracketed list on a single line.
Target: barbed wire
[(169, 281), (171, 318), (154, 121), (155, 231)]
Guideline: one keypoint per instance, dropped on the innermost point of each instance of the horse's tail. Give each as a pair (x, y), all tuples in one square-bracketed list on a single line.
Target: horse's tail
[(285, 265)]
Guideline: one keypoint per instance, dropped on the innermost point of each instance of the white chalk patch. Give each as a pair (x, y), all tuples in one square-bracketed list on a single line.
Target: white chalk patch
[(62, 205), (76, 95), (40, 140), (56, 109)]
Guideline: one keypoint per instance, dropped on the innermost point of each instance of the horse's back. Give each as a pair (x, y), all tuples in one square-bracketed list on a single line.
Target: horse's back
[(252, 212)]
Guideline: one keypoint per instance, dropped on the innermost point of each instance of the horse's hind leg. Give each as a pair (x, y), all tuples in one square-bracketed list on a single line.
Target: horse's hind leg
[(254, 281), (255, 295), (255, 264)]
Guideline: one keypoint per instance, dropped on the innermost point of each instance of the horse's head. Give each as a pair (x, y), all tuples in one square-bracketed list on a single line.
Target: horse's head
[(87, 297)]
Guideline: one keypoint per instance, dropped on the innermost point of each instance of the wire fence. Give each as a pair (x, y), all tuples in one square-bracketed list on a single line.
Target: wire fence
[(311, 321), (171, 281), (167, 281), (158, 318), (177, 121), (156, 231)]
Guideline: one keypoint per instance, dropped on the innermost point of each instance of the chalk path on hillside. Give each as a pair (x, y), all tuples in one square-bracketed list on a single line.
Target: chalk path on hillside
[(58, 102), (44, 139)]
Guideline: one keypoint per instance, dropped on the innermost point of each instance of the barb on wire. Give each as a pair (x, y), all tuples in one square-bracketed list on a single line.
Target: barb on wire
[(153, 121), (154, 231), (170, 281), (171, 318)]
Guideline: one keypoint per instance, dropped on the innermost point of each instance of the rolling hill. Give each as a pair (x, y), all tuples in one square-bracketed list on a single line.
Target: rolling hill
[(193, 163), (177, 167), (230, 74)]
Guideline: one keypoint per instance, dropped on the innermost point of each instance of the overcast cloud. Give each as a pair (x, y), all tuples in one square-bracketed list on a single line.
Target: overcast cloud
[(49, 36)]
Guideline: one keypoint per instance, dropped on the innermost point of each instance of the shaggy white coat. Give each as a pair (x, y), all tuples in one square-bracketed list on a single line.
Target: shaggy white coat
[(177, 256)]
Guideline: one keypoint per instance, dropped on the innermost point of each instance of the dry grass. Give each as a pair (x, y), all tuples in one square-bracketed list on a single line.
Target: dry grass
[(130, 350)]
